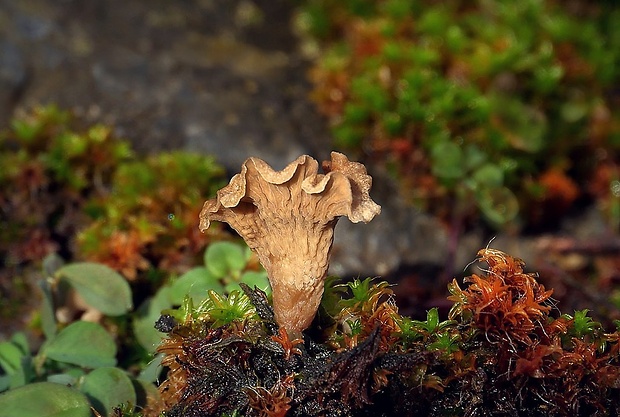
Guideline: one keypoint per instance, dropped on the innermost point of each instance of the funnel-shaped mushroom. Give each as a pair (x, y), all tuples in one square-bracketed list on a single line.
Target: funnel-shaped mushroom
[(287, 218)]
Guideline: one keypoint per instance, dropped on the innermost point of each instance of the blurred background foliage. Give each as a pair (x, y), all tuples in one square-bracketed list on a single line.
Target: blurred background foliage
[(82, 193), (476, 107)]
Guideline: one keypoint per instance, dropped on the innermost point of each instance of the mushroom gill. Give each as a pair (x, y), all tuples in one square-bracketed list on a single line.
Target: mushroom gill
[(287, 218)]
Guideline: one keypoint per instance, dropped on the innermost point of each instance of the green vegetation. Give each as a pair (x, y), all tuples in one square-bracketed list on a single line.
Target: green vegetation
[(204, 340), (147, 219), (128, 225), (489, 104), (83, 355), (76, 367), (225, 355), (84, 192)]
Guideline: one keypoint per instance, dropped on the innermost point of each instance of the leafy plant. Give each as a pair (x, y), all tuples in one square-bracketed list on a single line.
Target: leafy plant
[(49, 168), (44, 399), (412, 330), (582, 325), (362, 306), (75, 368), (226, 264), (83, 193), (218, 310)]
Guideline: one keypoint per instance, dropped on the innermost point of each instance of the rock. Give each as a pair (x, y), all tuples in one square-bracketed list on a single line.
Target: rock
[(12, 74), (399, 235)]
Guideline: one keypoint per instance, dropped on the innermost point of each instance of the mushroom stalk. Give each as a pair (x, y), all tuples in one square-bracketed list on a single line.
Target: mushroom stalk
[(287, 218)]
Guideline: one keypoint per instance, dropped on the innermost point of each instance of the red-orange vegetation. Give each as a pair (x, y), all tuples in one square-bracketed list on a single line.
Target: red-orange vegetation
[(289, 346), (560, 190), (273, 402), (124, 253), (506, 302)]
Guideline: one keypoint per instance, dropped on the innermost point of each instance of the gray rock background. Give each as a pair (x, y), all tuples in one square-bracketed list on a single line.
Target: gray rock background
[(219, 76)]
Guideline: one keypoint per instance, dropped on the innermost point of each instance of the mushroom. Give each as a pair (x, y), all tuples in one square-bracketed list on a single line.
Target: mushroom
[(287, 218)]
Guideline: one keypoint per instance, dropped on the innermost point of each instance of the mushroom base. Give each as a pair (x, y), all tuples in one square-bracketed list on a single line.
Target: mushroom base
[(296, 307)]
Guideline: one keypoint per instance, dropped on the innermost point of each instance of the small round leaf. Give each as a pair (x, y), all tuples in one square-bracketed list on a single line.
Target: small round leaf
[(196, 283), (498, 205), (257, 279), (447, 160), (489, 175), (224, 258), (44, 399), (147, 314), (100, 286), (84, 344), (107, 388)]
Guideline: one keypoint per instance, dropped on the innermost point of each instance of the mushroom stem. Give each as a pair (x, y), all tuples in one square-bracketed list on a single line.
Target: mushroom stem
[(297, 281)]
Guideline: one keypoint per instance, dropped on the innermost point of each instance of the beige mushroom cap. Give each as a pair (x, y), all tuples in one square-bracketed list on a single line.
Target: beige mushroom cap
[(287, 218)]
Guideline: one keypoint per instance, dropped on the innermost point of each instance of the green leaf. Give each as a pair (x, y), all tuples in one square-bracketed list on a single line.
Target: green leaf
[(21, 341), (447, 160), (107, 388), (16, 361), (473, 157), (434, 21), (499, 205), (25, 130), (10, 357), (489, 175), (152, 371), (223, 259), (252, 279), (432, 319), (582, 324), (257, 279), (44, 399), (82, 343), (224, 310), (48, 316), (196, 283), (147, 314), (573, 111), (64, 379), (100, 286)]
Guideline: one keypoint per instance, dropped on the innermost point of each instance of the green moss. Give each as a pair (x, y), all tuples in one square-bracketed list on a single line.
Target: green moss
[(523, 81), (501, 350)]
